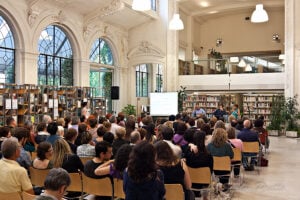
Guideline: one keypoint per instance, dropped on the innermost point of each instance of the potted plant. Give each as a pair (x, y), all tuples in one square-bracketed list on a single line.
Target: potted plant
[(291, 115), (276, 118), (129, 110)]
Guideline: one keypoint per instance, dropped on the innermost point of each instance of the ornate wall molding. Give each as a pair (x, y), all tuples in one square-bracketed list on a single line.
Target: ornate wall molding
[(183, 44), (32, 15), (145, 48), (113, 7)]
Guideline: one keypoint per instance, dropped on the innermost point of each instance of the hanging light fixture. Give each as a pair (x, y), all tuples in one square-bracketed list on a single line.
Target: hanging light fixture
[(259, 15), (176, 23), (141, 5), (242, 63), (248, 68)]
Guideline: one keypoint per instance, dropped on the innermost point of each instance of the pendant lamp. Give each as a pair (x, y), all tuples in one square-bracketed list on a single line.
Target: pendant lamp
[(259, 15), (176, 23)]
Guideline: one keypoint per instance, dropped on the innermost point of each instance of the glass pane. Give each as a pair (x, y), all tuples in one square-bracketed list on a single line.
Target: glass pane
[(7, 53), (101, 52), (55, 65)]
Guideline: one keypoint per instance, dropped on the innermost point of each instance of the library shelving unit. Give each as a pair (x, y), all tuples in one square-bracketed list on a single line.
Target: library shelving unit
[(209, 102), (255, 105)]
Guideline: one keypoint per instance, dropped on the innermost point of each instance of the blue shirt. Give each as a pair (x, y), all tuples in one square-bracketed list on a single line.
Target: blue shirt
[(200, 111), (247, 135)]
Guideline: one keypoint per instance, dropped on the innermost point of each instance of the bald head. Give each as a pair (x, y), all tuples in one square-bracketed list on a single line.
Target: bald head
[(247, 124)]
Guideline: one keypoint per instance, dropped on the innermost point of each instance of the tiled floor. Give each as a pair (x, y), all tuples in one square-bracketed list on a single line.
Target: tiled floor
[(280, 180)]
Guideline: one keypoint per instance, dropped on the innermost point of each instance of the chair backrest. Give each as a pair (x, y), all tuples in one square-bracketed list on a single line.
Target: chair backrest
[(85, 159), (222, 163), (13, 195), (27, 196), (237, 154), (118, 185), (76, 182), (200, 175), (38, 176), (99, 187), (174, 191), (250, 147)]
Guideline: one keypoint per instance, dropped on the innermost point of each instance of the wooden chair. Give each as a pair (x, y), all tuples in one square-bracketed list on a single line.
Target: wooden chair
[(76, 182), (27, 196), (252, 147), (174, 192), (85, 159), (13, 196), (99, 187), (38, 176), (118, 188), (201, 175), (237, 157), (222, 163)]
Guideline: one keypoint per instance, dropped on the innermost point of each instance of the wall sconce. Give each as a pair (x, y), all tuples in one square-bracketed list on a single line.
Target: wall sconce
[(276, 37), (219, 42)]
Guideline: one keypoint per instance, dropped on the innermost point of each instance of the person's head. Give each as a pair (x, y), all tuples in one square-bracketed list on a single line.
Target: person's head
[(10, 148), (82, 127), (231, 133), (52, 128), (147, 120), (57, 181), (107, 125), (108, 137), (67, 121), (120, 132), (103, 150), (178, 116), (60, 149), (22, 134), (143, 133), (121, 116), (5, 132), (233, 123), (86, 137), (82, 119), (101, 120), (197, 107), (231, 118), (141, 164), (235, 106), (220, 124), (28, 124), (219, 137), (150, 128), (135, 137), (247, 124), (200, 122), (122, 157), (199, 141), (44, 150), (71, 134), (206, 129), (164, 154), (259, 123), (167, 133), (11, 122), (221, 106), (42, 126), (60, 122), (191, 122), (172, 118), (189, 134), (74, 120), (113, 119), (181, 128), (47, 119), (92, 122), (101, 131)]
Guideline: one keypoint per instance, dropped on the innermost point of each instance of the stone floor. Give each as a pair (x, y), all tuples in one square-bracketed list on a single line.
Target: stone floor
[(280, 180)]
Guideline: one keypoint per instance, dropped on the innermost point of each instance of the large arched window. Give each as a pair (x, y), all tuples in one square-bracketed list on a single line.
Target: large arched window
[(101, 73), (7, 53), (55, 64)]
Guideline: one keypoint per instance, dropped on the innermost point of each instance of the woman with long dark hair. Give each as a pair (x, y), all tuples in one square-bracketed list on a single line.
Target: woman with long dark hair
[(142, 179)]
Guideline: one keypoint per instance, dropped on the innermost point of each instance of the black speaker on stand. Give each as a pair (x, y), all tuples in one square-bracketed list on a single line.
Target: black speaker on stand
[(114, 92)]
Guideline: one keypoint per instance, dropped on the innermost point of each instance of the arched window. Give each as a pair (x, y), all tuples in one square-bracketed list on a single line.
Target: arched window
[(7, 53), (159, 78), (142, 83), (55, 64), (101, 74), (101, 53)]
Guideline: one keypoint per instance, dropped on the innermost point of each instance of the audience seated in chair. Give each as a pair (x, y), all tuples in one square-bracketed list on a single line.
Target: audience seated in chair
[(44, 154), (56, 184)]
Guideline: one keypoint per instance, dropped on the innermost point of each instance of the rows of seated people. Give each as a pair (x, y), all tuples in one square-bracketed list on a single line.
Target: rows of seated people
[(145, 154)]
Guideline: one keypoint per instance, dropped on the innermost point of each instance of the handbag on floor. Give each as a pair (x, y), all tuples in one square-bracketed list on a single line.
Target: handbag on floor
[(264, 162)]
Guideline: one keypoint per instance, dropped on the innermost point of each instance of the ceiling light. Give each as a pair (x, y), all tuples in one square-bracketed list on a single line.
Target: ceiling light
[(176, 23), (141, 5), (213, 12), (248, 68), (242, 63), (259, 15), (204, 4)]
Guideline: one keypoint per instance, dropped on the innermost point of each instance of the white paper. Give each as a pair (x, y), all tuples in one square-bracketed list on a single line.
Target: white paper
[(50, 104), (78, 104), (7, 103), (55, 103), (55, 112), (15, 104), (45, 97), (84, 99)]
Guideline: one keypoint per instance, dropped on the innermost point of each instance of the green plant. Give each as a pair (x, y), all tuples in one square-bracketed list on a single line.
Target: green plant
[(220, 62), (181, 98), (291, 113), (129, 110), (276, 117)]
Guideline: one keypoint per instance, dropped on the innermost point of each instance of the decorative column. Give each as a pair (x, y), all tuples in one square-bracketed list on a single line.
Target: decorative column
[(81, 73), (27, 69)]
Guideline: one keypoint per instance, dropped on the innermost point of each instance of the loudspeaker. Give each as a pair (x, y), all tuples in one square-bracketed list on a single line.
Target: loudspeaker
[(114, 92)]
